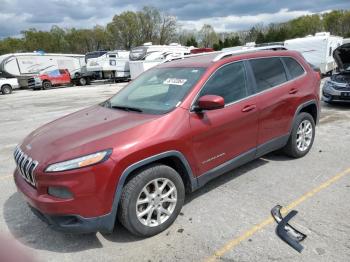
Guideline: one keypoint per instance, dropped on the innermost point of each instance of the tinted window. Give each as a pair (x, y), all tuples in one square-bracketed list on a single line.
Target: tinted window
[(293, 66), (228, 82), (268, 72)]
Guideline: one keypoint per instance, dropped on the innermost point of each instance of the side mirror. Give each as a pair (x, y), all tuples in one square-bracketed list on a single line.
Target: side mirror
[(210, 102)]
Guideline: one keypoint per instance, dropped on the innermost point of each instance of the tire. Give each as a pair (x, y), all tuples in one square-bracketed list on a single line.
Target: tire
[(306, 138), (46, 85), (6, 89), (134, 190), (82, 81)]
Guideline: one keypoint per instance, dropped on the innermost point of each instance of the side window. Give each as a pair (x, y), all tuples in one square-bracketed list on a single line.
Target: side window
[(268, 72), (293, 66), (229, 82)]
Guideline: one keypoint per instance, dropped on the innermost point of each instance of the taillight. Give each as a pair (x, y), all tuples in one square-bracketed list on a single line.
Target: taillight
[(318, 74)]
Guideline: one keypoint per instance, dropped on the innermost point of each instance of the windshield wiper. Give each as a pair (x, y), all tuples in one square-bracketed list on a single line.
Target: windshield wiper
[(128, 108)]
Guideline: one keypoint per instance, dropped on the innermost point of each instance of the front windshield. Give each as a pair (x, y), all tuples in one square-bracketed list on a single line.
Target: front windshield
[(157, 91)]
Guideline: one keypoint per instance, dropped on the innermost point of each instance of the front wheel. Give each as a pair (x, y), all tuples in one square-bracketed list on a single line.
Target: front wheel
[(302, 136), (6, 89), (151, 200)]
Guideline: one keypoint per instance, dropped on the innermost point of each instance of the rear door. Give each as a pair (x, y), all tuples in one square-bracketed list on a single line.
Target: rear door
[(223, 134), (278, 97)]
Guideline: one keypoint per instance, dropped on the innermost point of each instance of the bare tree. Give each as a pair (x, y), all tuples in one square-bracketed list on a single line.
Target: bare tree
[(149, 19), (207, 35), (167, 29)]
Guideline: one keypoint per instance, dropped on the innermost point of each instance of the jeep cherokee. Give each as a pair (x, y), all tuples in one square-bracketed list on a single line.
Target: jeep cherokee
[(170, 131)]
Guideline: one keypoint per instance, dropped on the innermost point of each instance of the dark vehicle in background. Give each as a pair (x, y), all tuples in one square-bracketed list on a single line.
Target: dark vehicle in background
[(337, 88), (49, 79)]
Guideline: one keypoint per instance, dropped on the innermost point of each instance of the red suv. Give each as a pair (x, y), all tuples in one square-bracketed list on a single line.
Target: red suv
[(168, 132)]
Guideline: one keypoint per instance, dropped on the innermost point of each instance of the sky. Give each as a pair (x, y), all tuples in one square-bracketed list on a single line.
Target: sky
[(223, 15)]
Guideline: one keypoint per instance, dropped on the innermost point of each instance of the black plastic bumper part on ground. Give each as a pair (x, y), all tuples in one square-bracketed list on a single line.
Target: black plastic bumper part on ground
[(77, 224), (285, 231)]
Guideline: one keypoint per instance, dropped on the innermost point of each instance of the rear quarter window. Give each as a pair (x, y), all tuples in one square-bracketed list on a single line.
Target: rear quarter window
[(294, 68), (268, 72)]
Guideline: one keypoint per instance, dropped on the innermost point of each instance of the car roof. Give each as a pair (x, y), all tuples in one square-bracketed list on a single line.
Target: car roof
[(208, 59)]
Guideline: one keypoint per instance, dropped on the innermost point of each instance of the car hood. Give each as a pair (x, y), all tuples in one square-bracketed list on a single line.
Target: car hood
[(83, 132), (341, 56)]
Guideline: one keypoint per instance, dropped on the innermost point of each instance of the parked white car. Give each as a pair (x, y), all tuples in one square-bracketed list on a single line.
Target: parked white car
[(7, 85)]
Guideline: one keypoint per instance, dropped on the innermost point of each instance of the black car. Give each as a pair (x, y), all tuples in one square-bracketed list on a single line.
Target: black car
[(337, 88)]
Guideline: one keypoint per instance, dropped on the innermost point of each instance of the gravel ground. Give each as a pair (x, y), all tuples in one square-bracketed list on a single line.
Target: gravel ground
[(229, 217)]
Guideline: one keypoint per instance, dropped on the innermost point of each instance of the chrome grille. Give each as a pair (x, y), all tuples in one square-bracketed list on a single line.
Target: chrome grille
[(25, 165), (31, 83)]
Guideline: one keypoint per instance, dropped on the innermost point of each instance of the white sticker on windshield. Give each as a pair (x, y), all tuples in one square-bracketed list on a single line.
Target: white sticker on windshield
[(175, 81)]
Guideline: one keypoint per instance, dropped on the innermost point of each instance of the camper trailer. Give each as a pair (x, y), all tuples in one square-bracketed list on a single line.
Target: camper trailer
[(147, 56), (109, 65), (317, 49), (26, 65)]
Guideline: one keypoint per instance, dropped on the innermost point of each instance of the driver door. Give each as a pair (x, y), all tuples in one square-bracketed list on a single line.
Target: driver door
[(223, 134)]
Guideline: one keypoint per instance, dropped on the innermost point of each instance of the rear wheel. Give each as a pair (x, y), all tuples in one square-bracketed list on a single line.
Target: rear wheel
[(151, 200), (302, 137), (82, 81), (6, 89), (46, 85)]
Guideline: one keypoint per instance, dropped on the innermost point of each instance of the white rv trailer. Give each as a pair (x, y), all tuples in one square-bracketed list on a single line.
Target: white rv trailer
[(317, 49), (346, 41), (25, 65), (112, 64), (147, 56)]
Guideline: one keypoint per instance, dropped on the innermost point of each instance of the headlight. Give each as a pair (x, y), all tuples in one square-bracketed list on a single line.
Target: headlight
[(80, 162), (328, 85)]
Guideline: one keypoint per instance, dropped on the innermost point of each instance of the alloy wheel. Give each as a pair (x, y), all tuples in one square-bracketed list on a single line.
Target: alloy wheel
[(304, 135), (156, 202)]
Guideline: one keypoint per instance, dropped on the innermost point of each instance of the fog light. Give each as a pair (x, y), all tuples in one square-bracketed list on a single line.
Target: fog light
[(60, 192)]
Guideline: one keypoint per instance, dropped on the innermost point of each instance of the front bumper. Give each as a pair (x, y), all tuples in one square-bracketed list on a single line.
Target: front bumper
[(35, 83), (89, 210), (330, 94), (76, 223)]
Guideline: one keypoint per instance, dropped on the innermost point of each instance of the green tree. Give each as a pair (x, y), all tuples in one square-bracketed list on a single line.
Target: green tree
[(11, 45), (124, 30), (149, 20), (191, 42), (260, 38)]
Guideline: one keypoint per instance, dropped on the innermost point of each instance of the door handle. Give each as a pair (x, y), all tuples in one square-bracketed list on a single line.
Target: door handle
[(248, 108), (293, 91)]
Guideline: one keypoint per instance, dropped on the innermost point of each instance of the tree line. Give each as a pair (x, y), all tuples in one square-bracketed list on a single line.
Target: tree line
[(130, 29)]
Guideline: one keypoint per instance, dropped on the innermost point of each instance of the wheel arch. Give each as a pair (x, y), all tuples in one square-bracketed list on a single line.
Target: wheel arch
[(174, 159), (6, 85), (308, 107)]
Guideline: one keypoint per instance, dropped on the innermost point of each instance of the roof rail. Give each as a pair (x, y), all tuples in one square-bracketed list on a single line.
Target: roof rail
[(248, 50), (189, 56)]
